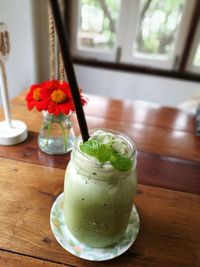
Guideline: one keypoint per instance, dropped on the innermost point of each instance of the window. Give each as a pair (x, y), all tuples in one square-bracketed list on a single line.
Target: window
[(196, 61), (95, 28), (194, 57), (97, 24), (158, 27), (140, 32)]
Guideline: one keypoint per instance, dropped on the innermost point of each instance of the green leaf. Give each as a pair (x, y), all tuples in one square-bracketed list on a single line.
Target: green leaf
[(90, 147), (104, 153), (121, 163)]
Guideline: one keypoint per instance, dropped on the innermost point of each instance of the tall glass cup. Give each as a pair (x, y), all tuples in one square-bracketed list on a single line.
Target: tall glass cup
[(98, 198)]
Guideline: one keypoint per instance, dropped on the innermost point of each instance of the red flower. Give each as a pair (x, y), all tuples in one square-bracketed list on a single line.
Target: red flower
[(54, 96), (34, 98)]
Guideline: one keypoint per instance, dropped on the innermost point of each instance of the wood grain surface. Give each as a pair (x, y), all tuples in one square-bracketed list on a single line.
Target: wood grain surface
[(154, 128), (153, 169), (28, 192), (168, 194), (133, 111), (12, 259)]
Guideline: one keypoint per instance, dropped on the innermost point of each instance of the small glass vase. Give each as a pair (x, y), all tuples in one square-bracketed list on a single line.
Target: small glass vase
[(56, 135)]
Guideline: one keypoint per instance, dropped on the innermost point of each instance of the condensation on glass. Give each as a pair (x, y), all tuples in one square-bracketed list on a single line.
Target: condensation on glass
[(98, 24)]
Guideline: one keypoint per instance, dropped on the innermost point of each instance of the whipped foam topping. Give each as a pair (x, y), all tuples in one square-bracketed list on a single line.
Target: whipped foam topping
[(118, 143)]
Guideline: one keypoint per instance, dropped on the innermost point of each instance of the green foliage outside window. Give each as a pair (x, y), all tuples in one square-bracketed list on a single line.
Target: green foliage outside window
[(110, 9), (157, 26), (159, 21)]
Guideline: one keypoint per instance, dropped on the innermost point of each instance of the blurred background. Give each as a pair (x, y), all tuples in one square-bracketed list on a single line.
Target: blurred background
[(125, 49)]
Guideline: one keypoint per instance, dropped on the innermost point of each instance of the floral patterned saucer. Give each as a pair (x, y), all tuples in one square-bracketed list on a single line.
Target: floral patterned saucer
[(71, 244)]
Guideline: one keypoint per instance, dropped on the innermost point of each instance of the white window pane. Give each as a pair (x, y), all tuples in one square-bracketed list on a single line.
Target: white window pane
[(196, 61), (98, 23), (158, 28)]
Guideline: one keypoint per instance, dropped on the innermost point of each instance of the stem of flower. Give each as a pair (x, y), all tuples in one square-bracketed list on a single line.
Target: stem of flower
[(65, 136), (48, 131)]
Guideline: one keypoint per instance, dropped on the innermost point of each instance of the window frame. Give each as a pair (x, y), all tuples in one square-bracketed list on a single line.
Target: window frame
[(170, 64), (94, 54), (190, 66), (181, 72)]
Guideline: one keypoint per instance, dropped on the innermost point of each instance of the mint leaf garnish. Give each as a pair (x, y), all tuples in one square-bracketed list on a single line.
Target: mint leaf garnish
[(104, 153), (90, 147), (121, 163)]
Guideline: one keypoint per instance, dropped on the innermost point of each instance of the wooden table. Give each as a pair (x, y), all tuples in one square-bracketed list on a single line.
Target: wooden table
[(167, 198)]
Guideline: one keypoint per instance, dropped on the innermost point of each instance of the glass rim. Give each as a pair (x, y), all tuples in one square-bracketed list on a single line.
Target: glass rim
[(107, 165)]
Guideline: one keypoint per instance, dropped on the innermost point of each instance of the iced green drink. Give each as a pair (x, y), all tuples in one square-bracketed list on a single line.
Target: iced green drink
[(99, 189)]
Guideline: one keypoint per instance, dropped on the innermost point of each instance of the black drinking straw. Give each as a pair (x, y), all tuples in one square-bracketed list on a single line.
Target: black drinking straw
[(63, 42)]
